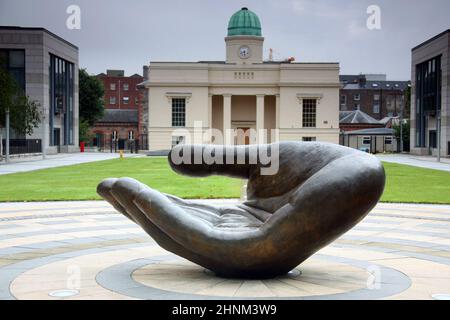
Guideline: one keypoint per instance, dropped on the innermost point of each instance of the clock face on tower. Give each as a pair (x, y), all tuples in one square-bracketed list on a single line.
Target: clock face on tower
[(244, 52)]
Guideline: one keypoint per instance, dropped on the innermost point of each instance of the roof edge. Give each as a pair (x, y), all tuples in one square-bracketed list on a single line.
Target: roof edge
[(431, 40), (39, 29)]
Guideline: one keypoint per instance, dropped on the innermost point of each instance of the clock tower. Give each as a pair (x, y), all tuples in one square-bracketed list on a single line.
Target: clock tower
[(244, 42)]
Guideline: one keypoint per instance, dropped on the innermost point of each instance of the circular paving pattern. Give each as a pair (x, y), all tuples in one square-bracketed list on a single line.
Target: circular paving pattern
[(181, 279), (84, 250)]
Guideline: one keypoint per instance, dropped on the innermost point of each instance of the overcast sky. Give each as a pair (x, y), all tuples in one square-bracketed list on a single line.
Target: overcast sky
[(119, 34)]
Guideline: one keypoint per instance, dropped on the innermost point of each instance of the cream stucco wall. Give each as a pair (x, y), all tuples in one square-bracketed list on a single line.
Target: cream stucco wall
[(255, 44), (378, 143), (291, 82), (160, 113)]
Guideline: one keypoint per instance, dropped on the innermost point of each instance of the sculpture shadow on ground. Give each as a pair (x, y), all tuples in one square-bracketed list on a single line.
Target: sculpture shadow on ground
[(318, 192)]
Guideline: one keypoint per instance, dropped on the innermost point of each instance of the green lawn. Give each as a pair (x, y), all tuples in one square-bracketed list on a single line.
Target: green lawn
[(416, 185), (78, 182)]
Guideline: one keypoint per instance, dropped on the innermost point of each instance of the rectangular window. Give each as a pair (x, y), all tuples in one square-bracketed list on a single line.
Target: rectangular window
[(376, 97), (357, 97), (125, 87), (366, 140), (309, 113), (126, 100), (387, 140), (357, 106), (14, 62), (131, 135), (176, 140), (376, 108), (112, 100), (178, 112), (308, 139), (136, 100), (428, 96), (16, 59), (61, 89), (343, 100), (112, 86)]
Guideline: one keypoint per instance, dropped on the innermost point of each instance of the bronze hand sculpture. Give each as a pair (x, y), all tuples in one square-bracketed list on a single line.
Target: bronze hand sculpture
[(319, 192)]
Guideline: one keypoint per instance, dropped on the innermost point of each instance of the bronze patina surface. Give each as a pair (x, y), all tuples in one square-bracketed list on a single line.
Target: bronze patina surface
[(319, 192)]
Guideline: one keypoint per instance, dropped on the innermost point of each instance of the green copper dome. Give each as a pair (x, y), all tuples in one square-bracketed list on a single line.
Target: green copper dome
[(244, 23)]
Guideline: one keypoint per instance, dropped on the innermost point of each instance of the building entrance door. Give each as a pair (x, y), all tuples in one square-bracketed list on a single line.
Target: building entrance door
[(432, 141), (121, 144), (57, 138), (243, 136)]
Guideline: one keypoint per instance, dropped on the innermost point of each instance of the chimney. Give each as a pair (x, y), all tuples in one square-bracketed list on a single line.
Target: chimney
[(362, 80), (145, 72)]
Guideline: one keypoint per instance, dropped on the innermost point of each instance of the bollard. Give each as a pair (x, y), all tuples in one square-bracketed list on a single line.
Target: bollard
[(121, 154)]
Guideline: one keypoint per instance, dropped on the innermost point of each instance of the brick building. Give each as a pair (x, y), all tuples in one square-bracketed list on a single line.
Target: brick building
[(143, 114), (374, 95), (357, 120), (121, 126)]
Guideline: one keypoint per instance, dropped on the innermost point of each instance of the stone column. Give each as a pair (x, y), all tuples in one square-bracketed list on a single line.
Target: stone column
[(209, 125), (227, 118), (210, 96), (259, 118), (277, 116)]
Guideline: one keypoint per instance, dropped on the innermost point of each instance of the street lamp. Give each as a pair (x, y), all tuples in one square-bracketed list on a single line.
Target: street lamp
[(45, 137), (401, 119), (438, 134), (7, 136)]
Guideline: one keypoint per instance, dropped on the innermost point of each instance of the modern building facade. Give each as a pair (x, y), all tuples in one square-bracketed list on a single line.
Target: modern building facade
[(244, 92), (374, 95), (46, 66), (120, 127), (430, 96)]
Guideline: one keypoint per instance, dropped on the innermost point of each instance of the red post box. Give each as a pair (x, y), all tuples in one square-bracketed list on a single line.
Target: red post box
[(81, 146)]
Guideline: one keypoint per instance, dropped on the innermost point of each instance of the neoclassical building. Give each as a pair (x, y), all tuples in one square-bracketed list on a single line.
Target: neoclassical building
[(245, 92)]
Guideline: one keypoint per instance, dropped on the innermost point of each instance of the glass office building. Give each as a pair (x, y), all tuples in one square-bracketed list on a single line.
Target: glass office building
[(46, 67), (430, 97)]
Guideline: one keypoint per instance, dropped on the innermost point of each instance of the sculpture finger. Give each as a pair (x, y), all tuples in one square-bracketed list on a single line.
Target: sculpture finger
[(104, 190), (206, 160), (198, 235), (124, 191)]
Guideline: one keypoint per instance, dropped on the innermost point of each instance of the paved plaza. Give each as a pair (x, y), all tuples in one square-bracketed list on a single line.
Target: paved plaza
[(417, 161), (59, 160), (84, 250)]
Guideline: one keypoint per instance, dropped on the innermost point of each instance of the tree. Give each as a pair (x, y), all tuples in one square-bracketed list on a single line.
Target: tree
[(85, 135), (25, 115), (91, 98), (407, 104)]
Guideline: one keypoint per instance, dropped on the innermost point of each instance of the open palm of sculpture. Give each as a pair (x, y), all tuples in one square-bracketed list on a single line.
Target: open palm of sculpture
[(319, 192)]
